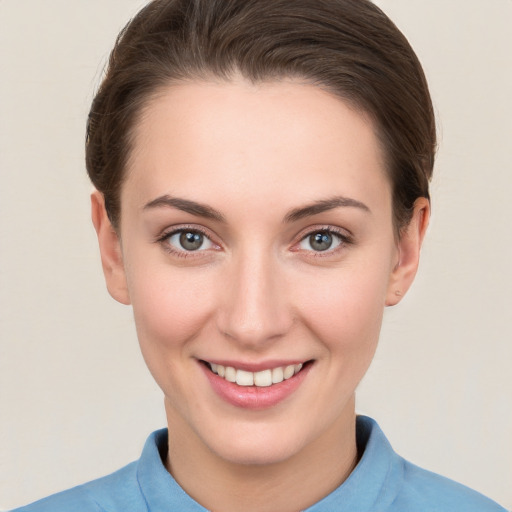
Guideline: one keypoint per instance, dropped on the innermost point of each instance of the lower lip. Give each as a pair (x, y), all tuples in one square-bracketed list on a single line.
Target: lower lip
[(254, 397)]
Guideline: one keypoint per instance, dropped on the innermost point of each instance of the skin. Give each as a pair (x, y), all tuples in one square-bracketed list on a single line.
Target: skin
[(258, 291)]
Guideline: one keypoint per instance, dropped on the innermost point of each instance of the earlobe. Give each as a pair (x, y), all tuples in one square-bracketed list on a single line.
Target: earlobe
[(409, 247), (110, 250)]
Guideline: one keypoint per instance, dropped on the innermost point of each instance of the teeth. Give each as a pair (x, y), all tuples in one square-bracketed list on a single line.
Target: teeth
[(264, 378), (244, 378), (277, 375), (289, 371), (230, 374)]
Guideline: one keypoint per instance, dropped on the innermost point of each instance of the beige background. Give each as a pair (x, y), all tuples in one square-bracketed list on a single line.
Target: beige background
[(76, 401)]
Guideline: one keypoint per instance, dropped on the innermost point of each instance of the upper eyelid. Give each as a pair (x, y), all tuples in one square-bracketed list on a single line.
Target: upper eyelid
[(166, 233), (345, 235), (345, 240), (341, 232), (163, 240)]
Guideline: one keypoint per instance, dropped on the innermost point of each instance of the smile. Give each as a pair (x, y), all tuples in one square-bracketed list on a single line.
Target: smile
[(263, 378)]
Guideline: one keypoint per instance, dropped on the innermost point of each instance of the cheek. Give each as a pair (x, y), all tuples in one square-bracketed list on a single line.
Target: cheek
[(171, 305), (170, 309), (345, 310)]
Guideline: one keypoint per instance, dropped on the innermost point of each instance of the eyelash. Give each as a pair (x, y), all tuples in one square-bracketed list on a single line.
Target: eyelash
[(163, 240), (344, 240)]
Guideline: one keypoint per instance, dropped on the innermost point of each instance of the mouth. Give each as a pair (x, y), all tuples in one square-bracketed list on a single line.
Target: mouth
[(261, 379), (256, 386)]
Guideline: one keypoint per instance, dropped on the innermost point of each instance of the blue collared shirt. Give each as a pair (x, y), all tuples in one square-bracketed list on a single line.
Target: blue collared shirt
[(381, 482)]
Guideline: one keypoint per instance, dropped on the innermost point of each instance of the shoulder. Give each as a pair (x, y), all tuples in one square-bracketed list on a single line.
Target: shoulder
[(118, 492), (112, 493), (426, 491), (392, 484)]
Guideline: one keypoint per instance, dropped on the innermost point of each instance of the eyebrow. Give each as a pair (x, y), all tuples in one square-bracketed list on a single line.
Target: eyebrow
[(192, 207), (324, 205), (202, 210)]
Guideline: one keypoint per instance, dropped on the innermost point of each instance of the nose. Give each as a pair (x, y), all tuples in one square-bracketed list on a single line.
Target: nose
[(256, 307)]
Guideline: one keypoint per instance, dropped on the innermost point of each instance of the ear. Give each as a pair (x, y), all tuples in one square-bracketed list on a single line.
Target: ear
[(110, 250), (409, 247)]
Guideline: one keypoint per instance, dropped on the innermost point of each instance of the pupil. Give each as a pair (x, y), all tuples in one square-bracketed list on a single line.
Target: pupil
[(191, 241), (321, 241)]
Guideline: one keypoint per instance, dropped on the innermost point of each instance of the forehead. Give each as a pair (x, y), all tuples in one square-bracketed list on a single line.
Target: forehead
[(235, 138)]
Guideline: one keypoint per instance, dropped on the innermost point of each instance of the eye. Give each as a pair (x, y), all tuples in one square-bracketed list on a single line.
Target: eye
[(321, 241), (188, 240)]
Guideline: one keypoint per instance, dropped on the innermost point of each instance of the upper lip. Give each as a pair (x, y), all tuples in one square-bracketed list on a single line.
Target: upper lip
[(256, 366)]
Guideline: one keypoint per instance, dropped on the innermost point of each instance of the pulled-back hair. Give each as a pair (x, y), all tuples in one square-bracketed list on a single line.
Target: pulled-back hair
[(348, 47)]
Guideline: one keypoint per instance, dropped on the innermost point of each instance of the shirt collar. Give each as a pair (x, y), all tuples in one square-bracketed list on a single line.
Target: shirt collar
[(161, 492), (375, 479)]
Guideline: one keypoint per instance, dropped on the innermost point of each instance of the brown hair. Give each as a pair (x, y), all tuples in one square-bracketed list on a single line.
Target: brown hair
[(349, 47)]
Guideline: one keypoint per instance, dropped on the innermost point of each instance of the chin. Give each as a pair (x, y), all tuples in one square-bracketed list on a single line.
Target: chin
[(257, 445), (258, 455)]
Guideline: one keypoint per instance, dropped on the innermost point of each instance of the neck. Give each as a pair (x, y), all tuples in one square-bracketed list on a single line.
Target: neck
[(290, 485)]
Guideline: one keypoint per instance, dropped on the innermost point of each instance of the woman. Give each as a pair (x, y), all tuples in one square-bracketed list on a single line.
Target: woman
[(261, 173)]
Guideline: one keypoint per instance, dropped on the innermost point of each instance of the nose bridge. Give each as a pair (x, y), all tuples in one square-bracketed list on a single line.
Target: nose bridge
[(256, 308)]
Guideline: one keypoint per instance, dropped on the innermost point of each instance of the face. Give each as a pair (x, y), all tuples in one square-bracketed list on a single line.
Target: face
[(256, 246)]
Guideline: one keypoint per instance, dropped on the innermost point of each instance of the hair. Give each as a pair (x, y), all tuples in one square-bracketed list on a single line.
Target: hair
[(348, 47)]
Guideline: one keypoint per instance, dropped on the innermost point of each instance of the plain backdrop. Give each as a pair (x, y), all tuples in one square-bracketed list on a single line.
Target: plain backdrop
[(76, 401)]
